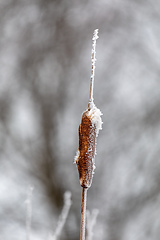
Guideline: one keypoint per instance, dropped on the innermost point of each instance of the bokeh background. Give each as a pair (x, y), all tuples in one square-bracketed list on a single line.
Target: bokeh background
[(45, 65)]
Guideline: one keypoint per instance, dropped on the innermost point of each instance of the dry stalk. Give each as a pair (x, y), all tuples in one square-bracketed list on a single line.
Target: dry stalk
[(62, 217), (89, 128), (91, 222), (83, 213)]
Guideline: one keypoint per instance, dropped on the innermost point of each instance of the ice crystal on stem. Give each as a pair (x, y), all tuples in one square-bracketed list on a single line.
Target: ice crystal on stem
[(93, 57)]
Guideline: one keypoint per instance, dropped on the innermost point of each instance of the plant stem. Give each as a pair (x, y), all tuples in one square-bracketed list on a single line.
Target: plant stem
[(93, 57), (83, 213)]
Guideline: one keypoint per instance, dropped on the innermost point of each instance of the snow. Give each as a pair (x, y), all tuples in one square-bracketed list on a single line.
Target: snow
[(95, 115)]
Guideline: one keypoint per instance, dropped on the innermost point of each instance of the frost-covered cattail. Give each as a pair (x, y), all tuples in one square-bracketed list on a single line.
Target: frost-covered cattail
[(89, 128)]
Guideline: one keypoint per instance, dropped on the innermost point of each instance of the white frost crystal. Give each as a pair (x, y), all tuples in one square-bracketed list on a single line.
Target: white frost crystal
[(95, 115), (77, 156)]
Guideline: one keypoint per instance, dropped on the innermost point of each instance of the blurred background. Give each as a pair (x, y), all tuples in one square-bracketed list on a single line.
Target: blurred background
[(45, 66)]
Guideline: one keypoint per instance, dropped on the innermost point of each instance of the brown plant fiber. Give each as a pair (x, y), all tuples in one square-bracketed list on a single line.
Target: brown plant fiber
[(87, 142)]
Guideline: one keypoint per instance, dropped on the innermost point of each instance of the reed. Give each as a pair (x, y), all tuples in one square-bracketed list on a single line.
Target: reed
[(89, 128)]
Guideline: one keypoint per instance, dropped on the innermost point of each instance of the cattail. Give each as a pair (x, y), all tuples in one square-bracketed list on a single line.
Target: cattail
[(88, 131), (89, 128)]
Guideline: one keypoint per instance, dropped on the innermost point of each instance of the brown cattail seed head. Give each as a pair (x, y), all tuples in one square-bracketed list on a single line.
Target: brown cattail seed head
[(89, 128)]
